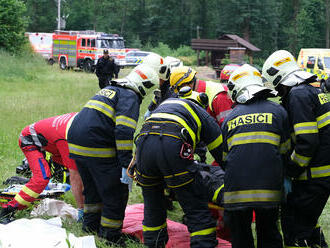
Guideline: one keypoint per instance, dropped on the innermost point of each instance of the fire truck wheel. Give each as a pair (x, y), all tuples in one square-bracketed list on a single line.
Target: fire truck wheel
[(88, 66), (63, 65)]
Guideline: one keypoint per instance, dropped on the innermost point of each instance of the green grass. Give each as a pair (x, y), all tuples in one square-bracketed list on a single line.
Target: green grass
[(30, 91)]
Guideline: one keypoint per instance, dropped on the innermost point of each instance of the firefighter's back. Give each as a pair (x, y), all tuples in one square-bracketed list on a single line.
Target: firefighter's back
[(253, 134)]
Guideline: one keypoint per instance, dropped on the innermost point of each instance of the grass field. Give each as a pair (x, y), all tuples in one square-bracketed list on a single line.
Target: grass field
[(30, 91)]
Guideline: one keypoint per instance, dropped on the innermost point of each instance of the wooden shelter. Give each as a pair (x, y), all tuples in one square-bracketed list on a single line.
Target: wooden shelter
[(230, 44)]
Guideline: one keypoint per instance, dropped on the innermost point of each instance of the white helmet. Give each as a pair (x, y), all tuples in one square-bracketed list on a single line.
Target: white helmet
[(244, 83), (156, 62), (281, 68), (170, 64), (141, 79)]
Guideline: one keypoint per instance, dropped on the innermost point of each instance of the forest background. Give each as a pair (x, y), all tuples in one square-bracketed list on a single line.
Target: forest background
[(268, 24)]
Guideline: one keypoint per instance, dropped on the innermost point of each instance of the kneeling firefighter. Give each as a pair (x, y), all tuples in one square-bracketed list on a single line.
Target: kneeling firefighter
[(101, 142), (164, 156)]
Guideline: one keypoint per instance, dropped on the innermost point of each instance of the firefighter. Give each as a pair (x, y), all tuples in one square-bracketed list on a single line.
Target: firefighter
[(256, 143), (101, 142), (35, 139), (164, 67), (106, 68), (219, 100), (164, 158), (309, 115)]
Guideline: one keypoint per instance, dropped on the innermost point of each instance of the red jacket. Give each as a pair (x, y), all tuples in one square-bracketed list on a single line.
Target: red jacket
[(220, 106)]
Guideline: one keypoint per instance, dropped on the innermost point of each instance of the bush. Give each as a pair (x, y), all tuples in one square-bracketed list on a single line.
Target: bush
[(12, 25)]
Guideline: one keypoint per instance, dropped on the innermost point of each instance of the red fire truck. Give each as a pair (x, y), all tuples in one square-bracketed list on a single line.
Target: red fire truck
[(81, 49)]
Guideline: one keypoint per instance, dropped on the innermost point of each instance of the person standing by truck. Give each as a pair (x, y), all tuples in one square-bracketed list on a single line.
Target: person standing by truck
[(106, 68)]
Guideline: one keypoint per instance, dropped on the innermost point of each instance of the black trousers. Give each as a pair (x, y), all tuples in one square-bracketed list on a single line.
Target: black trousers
[(105, 197), (302, 210), (159, 164), (239, 222)]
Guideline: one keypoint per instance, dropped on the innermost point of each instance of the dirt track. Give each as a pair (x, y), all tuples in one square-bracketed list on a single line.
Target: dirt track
[(206, 73)]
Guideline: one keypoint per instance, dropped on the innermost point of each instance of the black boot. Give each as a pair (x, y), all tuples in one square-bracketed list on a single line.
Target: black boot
[(7, 214), (112, 236)]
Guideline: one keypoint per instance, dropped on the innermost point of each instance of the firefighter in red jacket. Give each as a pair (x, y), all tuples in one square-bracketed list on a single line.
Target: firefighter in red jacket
[(48, 135), (309, 115), (256, 142)]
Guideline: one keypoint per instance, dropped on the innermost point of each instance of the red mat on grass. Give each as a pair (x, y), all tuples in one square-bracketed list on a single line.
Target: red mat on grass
[(179, 236)]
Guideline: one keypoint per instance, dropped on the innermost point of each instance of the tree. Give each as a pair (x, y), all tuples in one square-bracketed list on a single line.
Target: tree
[(12, 25), (42, 15)]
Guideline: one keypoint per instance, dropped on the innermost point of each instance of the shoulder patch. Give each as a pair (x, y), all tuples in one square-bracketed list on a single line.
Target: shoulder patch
[(323, 98), (107, 93)]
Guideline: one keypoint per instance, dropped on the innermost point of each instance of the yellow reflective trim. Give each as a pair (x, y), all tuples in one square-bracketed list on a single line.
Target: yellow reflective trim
[(93, 208), (145, 176), (216, 193), (152, 229), (305, 128), (285, 146), (315, 171), (217, 142), (126, 145), (252, 196), (172, 122), (177, 119), (203, 232), (323, 120), (125, 121), (155, 133), (111, 223), (178, 174), (224, 156), (110, 113), (177, 186), (191, 111), (30, 192), (299, 159), (242, 138), (92, 152), (21, 201)]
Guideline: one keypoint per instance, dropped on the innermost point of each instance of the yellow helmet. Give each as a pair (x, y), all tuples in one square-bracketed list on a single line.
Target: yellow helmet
[(181, 75), (200, 98)]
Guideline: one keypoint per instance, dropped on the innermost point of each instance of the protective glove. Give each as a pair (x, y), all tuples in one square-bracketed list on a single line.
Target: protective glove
[(126, 179), (147, 114), (80, 214)]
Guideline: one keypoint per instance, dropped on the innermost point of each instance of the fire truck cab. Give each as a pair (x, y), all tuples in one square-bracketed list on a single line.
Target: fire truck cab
[(82, 49)]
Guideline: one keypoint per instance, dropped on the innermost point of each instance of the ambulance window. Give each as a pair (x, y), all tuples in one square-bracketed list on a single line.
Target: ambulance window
[(311, 62), (83, 42), (93, 43), (319, 64), (88, 42)]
